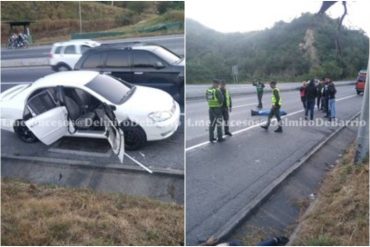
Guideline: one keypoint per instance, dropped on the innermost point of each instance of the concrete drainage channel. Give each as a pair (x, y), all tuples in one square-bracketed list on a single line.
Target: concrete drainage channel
[(162, 184), (277, 208)]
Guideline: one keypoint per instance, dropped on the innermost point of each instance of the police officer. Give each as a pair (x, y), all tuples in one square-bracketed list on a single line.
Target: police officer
[(215, 100), (226, 107), (275, 109), (259, 87)]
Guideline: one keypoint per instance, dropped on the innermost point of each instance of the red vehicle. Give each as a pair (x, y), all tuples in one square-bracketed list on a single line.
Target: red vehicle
[(360, 82)]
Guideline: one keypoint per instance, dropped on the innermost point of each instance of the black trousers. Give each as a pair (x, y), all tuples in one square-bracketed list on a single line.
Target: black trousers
[(304, 102), (215, 118), (318, 101), (259, 96), (275, 111), (225, 116)]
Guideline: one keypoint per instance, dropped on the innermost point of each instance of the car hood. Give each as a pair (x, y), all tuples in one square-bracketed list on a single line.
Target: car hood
[(146, 100)]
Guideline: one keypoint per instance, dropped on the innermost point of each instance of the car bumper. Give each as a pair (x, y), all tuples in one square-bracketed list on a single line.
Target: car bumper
[(165, 129)]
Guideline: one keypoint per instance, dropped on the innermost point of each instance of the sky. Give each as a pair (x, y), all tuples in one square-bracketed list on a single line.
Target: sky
[(251, 15)]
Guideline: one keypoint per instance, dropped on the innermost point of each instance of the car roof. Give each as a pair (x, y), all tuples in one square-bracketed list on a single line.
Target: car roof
[(108, 47), (75, 42), (67, 78)]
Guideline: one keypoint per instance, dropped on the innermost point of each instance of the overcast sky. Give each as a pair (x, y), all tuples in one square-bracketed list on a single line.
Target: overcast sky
[(251, 15)]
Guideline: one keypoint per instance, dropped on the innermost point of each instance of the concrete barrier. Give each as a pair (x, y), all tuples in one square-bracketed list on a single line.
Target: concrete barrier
[(194, 92), (27, 62)]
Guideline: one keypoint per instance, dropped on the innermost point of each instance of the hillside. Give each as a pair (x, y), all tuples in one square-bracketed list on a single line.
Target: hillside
[(59, 19), (301, 49)]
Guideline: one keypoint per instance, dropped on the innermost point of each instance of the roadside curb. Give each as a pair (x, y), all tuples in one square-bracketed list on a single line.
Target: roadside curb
[(89, 165), (199, 97), (233, 222)]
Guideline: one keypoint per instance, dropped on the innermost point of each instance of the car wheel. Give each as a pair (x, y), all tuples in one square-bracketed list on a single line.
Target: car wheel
[(135, 137), (24, 133), (358, 92), (63, 67)]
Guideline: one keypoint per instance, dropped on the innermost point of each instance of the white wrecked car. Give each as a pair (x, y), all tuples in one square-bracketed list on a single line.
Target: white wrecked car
[(90, 105)]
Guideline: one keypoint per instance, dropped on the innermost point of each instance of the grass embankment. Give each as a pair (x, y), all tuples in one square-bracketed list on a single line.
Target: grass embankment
[(55, 21), (341, 214), (49, 215)]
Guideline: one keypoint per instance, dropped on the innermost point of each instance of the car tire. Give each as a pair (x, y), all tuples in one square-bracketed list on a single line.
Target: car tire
[(63, 67), (135, 136), (24, 133), (358, 92)]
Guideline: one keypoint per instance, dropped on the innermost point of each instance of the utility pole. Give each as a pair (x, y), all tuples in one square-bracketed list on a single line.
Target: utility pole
[(79, 11), (362, 140)]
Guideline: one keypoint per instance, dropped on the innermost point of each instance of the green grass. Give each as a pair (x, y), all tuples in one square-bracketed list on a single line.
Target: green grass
[(50, 215)]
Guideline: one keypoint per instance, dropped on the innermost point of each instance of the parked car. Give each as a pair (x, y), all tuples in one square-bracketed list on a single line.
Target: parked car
[(144, 65), (81, 98), (360, 81), (64, 55)]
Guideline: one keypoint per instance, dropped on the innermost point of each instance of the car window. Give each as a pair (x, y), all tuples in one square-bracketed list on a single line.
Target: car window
[(71, 49), (84, 48), (143, 59), (118, 59), (57, 50), (110, 88), (41, 102), (92, 61)]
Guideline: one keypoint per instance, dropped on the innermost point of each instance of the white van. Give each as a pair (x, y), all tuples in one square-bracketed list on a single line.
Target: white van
[(64, 55)]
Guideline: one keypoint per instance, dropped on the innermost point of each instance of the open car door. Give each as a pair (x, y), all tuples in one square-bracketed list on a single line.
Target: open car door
[(49, 121), (113, 132)]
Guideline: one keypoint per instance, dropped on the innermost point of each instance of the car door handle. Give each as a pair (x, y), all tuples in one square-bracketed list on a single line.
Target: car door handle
[(138, 73)]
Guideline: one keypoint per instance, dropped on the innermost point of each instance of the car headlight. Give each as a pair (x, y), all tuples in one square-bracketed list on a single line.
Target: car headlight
[(160, 116)]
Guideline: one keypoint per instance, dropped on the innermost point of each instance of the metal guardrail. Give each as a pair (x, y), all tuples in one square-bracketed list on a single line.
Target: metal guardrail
[(155, 28)]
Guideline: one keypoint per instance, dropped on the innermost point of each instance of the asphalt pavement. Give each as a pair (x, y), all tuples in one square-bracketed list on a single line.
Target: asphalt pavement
[(173, 42), (222, 178)]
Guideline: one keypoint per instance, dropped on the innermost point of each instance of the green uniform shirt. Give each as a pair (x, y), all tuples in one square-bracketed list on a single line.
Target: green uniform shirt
[(214, 97)]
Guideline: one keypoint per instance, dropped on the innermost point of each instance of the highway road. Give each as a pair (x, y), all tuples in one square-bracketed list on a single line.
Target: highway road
[(173, 42), (223, 177), (29, 74)]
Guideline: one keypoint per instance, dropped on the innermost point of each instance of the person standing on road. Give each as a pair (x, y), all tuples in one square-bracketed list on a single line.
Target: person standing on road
[(326, 97), (310, 93), (275, 109), (259, 87), (226, 107), (332, 91), (302, 91), (319, 92), (215, 100)]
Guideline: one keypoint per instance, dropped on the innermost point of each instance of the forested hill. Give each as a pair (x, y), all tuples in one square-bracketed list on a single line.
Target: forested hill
[(302, 49)]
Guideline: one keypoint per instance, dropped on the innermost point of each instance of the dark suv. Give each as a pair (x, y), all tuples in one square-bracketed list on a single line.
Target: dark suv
[(144, 65)]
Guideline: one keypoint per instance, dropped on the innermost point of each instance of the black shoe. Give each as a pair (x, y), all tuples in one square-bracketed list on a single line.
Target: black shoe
[(264, 127), (279, 130), (305, 118), (212, 140), (221, 139), (228, 133)]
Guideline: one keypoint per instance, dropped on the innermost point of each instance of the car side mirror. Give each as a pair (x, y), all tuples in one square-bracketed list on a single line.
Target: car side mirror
[(159, 65)]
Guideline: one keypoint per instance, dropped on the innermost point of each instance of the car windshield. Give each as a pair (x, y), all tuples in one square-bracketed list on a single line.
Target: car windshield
[(166, 55), (113, 90)]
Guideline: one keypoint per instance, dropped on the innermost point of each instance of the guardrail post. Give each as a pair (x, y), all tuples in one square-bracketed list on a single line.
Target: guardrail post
[(362, 140)]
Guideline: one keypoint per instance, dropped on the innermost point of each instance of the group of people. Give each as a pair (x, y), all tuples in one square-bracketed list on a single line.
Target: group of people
[(218, 97), (18, 40), (220, 105), (323, 94)]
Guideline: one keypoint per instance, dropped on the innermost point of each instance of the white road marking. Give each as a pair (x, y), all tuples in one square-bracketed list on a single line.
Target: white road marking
[(139, 163), (256, 125)]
